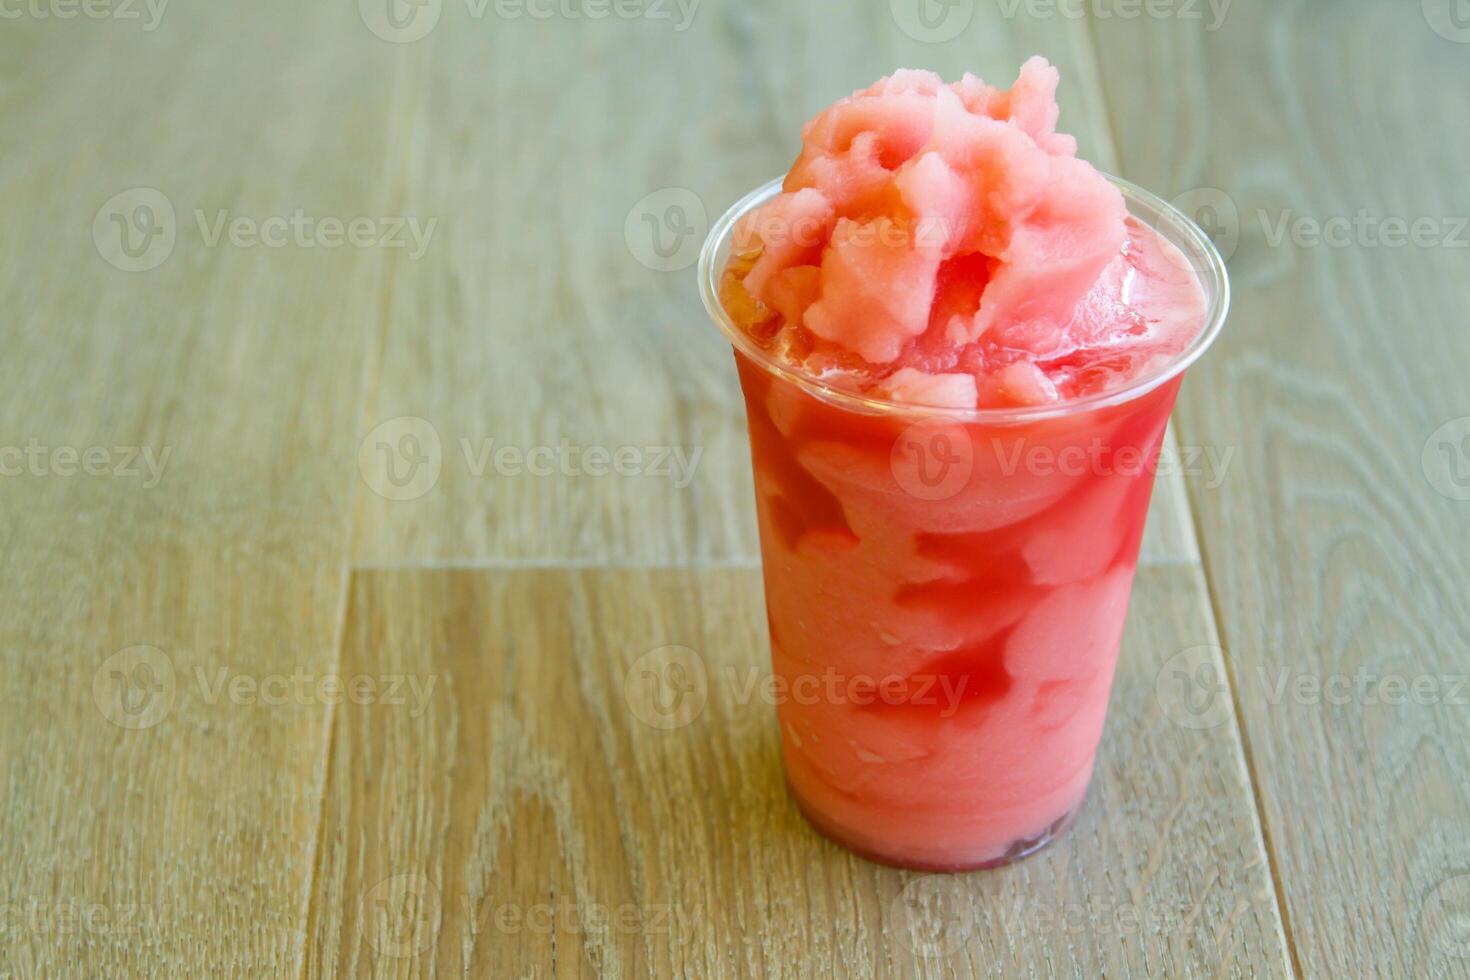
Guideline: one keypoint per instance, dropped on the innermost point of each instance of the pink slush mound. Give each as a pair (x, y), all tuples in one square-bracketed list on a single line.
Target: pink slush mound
[(946, 596), (942, 245)]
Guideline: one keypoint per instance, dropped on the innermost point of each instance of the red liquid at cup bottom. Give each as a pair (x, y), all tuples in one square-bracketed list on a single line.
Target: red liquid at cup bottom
[(945, 601)]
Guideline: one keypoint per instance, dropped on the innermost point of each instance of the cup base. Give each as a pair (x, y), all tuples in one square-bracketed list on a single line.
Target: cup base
[(1022, 848)]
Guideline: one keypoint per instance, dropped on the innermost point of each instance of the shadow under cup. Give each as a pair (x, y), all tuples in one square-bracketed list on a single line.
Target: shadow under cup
[(946, 588)]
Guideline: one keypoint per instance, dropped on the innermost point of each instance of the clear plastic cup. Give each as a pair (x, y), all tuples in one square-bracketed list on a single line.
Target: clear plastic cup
[(946, 588)]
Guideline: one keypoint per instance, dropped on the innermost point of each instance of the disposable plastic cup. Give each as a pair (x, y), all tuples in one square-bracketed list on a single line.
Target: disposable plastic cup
[(946, 588)]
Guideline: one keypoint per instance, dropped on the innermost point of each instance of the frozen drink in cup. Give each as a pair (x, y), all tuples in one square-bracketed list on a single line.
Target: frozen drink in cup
[(959, 346)]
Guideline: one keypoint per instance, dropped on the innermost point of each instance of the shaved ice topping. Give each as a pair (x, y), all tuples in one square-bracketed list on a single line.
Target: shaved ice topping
[(942, 245)]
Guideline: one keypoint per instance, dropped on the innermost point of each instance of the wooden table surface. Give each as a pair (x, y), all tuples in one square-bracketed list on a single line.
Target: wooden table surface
[(304, 671)]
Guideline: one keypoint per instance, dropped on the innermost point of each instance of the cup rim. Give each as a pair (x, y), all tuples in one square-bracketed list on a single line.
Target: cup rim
[(1175, 226)]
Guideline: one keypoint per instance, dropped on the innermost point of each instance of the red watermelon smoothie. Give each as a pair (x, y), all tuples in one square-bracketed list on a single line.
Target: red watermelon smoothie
[(959, 346)]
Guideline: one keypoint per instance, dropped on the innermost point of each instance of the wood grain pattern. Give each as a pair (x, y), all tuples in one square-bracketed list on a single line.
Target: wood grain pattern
[(181, 847), (524, 819), (1336, 547), (543, 320), (486, 801)]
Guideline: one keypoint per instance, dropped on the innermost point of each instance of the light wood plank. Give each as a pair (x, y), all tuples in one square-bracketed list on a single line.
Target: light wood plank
[(525, 784), (246, 365), (536, 321), (182, 847), (1336, 545)]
